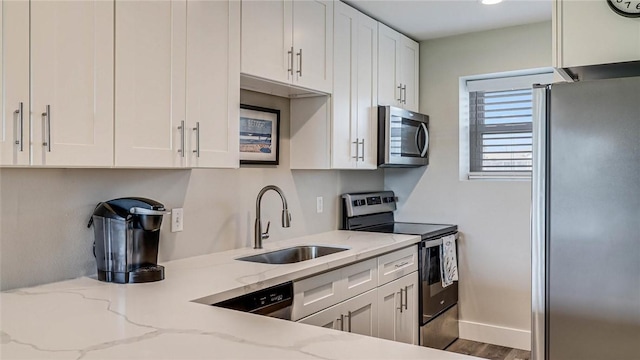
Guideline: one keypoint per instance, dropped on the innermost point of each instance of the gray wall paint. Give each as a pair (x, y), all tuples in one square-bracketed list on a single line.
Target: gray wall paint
[(44, 212), (493, 216)]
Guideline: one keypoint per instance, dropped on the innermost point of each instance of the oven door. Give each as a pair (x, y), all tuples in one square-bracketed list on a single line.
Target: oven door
[(434, 298), (404, 138)]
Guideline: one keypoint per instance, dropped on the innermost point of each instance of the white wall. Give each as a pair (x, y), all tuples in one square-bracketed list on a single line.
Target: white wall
[(44, 212), (493, 216)]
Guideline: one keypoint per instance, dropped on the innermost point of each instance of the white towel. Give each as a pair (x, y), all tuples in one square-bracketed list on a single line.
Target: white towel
[(448, 261)]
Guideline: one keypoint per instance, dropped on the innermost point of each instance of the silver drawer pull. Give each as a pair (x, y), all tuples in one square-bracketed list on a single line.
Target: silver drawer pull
[(402, 264)]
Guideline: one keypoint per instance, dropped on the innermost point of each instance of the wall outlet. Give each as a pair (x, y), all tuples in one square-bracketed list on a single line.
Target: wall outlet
[(177, 219), (319, 205)]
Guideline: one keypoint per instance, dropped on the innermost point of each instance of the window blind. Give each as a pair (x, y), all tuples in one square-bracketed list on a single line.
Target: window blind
[(501, 130)]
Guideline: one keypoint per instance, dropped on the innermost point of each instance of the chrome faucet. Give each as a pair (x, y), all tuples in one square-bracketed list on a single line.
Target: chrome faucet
[(286, 217)]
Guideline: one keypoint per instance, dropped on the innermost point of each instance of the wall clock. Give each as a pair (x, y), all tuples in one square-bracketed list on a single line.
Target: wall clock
[(628, 8)]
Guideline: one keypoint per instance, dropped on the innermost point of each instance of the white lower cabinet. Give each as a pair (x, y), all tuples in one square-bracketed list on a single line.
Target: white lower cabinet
[(349, 298), (358, 315), (398, 310)]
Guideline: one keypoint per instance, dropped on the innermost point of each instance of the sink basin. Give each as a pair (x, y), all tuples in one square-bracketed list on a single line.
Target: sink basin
[(293, 254)]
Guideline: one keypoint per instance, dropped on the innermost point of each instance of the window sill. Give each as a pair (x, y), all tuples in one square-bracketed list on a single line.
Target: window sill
[(501, 176)]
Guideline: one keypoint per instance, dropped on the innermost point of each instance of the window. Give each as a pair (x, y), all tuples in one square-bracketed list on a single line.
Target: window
[(500, 125)]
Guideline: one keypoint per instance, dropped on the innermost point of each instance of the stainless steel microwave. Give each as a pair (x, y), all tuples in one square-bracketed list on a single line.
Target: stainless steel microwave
[(403, 138)]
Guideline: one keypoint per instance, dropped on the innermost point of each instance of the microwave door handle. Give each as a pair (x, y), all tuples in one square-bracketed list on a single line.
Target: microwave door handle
[(426, 140)]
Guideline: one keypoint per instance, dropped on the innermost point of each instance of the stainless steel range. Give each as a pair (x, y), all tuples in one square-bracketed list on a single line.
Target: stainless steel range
[(373, 211)]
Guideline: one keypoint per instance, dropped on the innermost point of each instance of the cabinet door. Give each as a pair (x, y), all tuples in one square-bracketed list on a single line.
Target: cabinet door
[(361, 314), (14, 89), (344, 128), (72, 76), (398, 310), (329, 318), (355, 89), (213, 83), (388, 66), (313, 44), (358, 315), (367, 97), (267, 39), (409, 68), (407, 323), (575, 36), (150, 83)]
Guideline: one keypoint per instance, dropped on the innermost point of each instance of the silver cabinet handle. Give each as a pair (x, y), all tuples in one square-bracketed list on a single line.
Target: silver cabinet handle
[(357, 150), (406, 298), (404, 88), (362, 156), (400, 93), (341, 322), (197, 130), (402, 264), (400, 308), (47, 119), (20, 113), (349, 320), (181, 128), (299, 71), (290, 55)]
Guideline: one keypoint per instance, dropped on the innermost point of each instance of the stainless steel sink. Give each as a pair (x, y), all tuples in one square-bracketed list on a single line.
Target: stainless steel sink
[(293, 254)]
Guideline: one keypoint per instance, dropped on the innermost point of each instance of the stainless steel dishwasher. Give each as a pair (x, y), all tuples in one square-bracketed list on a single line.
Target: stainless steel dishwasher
[(275, 302)]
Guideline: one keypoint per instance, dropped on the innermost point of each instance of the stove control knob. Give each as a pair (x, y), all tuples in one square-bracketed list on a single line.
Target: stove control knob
[(359, 202)]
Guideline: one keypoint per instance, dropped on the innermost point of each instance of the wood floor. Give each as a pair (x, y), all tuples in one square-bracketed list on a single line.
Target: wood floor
[(488, 351)]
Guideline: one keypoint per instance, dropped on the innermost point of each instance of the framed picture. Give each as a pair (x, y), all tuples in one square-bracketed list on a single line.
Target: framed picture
[(259, 135)]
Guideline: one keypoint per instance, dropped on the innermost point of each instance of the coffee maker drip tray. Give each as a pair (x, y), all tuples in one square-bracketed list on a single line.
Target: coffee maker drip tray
[(140, 275)]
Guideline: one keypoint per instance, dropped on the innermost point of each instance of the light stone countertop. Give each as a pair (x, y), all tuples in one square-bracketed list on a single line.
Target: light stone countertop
[(87, 319)]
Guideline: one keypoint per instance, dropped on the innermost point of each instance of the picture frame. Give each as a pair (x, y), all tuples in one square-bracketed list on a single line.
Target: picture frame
[(259, 135)]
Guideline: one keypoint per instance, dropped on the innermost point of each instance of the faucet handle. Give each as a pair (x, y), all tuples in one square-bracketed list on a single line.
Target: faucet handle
[(265, 234)]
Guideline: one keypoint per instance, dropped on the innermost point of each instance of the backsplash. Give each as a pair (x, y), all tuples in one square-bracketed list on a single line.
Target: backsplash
[(44, 212)]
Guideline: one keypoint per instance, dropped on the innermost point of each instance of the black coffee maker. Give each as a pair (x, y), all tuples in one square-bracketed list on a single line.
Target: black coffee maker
[(127, 233)]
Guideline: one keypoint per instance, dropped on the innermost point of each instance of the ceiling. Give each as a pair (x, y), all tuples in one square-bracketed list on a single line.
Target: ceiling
[(429, 19)]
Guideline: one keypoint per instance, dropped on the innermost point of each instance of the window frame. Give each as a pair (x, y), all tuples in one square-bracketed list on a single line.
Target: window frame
[(493, 82)]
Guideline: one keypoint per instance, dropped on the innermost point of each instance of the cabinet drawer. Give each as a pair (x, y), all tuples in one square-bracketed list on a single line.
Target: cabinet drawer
[(322, 291), (315, 293), (359, 278), (397, 264)]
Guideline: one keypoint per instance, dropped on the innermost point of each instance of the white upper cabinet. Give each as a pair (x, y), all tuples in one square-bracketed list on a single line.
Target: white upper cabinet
[(150, 83), (398, 74), (71, 83), (578, 41), (355, 67), (213, 83), (14, 62), (289, 42), (177, 83)]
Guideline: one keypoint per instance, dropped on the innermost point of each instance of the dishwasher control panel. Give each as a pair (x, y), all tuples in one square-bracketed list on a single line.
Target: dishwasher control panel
[(261, 301)]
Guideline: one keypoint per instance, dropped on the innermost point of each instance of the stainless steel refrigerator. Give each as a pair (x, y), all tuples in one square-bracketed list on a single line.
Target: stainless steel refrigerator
[(586, 221)]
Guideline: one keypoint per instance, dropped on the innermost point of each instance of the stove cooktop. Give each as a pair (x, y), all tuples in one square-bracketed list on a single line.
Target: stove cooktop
[(424, 230)]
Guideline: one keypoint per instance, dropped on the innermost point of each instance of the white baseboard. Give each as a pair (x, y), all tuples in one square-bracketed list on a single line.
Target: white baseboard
[(498, 335)]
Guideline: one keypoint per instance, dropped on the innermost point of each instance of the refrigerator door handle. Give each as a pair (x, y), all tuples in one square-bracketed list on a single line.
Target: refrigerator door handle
[(538, 223)]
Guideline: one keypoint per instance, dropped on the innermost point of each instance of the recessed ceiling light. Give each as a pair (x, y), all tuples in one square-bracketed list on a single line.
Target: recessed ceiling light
[(490, 2)]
